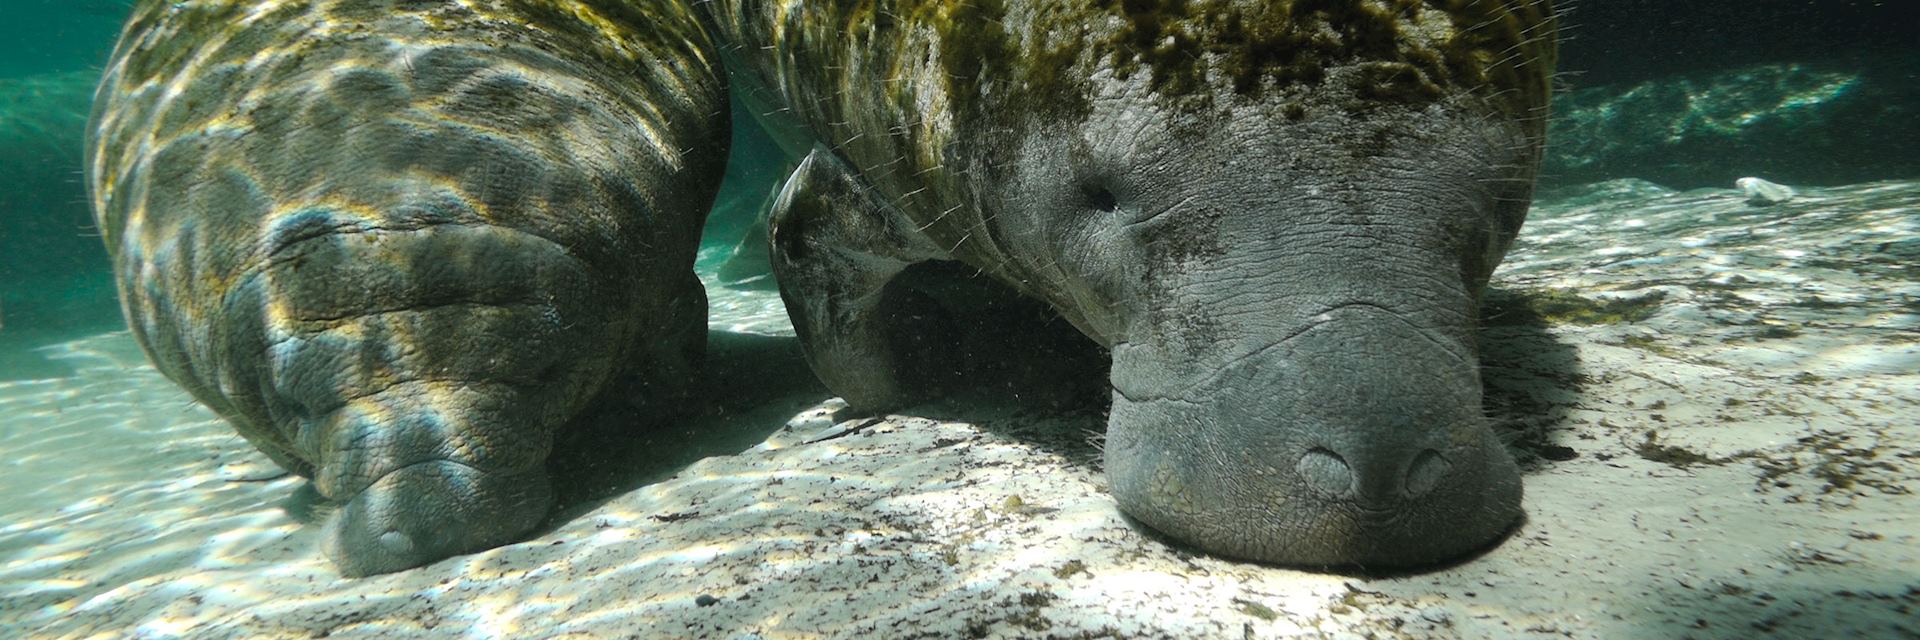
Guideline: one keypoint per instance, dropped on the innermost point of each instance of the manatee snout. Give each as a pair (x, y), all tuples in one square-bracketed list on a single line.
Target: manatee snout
[(1291, 308), (1356, 441)]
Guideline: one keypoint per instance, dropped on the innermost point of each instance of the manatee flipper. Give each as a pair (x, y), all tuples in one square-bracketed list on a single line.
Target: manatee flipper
[(836, 249), (399, 247)]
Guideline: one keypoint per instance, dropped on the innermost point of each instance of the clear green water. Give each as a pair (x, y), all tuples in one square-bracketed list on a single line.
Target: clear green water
[(50, 36)]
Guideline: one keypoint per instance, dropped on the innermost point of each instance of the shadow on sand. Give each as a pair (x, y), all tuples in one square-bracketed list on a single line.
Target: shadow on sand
[(1032, 387), (752, 384)]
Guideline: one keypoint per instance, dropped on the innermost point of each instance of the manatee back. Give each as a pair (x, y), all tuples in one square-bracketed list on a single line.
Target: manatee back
[(931, 102), (399, 246)]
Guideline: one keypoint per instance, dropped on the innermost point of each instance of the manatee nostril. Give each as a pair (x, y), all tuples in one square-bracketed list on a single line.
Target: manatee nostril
[(1329, 472), (1425, 472), (1101, 198), (396, 543), (1326, 471)]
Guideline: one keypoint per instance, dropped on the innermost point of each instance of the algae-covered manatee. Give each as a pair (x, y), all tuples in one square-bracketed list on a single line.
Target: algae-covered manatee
[(401, 244)]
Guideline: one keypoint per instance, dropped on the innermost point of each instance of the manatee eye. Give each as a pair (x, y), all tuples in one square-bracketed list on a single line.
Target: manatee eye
[(1100, 198)]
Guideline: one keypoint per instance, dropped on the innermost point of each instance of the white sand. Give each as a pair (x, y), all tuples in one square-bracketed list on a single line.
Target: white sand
[(1780, 367)]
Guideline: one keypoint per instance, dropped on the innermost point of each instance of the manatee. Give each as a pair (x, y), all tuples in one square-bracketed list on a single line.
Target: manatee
[(403, 245), (399, 246), (1277, 216)]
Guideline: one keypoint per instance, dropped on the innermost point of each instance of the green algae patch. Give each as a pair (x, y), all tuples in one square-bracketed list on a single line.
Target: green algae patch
[(996, 56), (1465, 45), (1553, 307), (1565, 308), (1653, 451), (1256, 609), (1842, 468), (1652, 345), (989, 71)]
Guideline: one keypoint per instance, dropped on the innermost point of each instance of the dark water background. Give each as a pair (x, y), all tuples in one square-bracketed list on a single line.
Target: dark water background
[(53, 279), (1613, 41), (51, 36)]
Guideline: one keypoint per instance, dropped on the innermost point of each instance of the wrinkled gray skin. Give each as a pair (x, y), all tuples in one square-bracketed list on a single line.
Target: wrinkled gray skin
[(1288, 281), (1304, 393), (402, 246), (1328, 362), (400, 249)]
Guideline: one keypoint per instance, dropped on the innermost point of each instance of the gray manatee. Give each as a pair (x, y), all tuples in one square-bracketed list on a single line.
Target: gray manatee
[(401, 244), (1277, 215)]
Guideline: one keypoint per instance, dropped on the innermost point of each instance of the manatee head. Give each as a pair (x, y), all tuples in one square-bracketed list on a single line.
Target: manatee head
[(1279, 217)]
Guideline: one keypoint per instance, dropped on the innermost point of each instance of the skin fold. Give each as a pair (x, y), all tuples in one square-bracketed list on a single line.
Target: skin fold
[(401, 244)]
